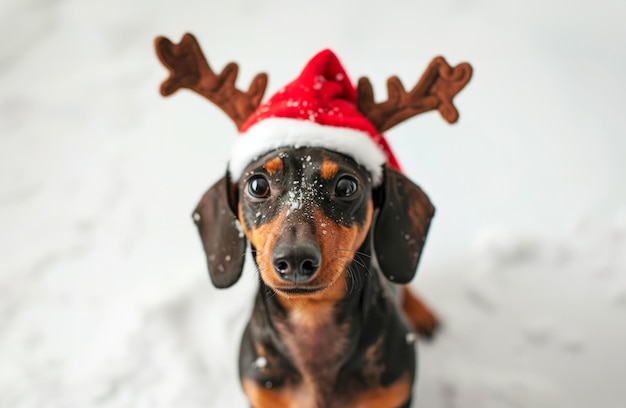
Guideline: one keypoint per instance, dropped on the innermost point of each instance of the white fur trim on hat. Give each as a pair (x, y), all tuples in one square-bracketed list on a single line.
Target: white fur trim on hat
[(275, 133)]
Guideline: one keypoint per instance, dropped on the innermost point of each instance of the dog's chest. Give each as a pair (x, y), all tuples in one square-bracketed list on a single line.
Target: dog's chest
[(317, 350)]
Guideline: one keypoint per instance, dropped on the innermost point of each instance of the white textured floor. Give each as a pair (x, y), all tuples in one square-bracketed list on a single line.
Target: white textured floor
[(104, 296)]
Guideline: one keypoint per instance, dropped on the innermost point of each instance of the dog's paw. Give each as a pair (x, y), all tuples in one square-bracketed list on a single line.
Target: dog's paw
[(424, 321), (427, 325)]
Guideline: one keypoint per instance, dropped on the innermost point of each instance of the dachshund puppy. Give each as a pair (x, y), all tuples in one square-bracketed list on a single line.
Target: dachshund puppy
[(327, 328)]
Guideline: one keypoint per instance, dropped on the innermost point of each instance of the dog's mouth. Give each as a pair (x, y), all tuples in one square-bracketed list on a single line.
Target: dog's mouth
[(299, 290)]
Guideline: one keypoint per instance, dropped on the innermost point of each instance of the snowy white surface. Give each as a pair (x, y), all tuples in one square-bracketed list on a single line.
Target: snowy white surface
[(104, 298)]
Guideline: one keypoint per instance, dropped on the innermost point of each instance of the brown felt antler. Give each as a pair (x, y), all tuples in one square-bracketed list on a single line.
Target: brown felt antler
[(189, 69), (435, 90)]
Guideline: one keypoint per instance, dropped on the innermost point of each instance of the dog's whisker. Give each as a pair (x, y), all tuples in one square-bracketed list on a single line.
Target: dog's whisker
[(359, 263), (354, 252), (356, 277), (358, 280), (353, 278), (345, 283)]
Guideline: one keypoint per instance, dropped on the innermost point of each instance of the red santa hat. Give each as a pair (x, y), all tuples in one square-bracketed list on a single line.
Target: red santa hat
[(318, 109)]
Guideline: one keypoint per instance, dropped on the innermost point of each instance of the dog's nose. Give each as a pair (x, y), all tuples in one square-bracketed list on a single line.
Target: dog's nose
[(296, 263)]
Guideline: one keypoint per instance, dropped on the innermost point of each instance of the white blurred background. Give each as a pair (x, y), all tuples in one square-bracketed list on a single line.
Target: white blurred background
[(104, 295)]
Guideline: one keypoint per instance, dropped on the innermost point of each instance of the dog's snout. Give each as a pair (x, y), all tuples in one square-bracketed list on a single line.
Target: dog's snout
[(296, 263)]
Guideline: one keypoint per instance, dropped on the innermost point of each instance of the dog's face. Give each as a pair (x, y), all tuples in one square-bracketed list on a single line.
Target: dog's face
[(306, 212)]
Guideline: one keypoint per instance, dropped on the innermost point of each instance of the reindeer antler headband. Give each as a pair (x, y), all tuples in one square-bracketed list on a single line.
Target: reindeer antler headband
[(320, 108)]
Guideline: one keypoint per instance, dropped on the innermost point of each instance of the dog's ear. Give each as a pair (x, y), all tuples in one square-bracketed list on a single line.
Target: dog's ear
[(401, 226), (222, 237)]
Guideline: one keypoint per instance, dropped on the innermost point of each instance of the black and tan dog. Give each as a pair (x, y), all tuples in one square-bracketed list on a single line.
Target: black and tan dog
[(327, 328), (334, 243)]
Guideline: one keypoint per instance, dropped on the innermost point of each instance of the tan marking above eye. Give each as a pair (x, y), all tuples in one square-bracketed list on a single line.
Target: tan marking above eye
[(328, 169), (274, 165)]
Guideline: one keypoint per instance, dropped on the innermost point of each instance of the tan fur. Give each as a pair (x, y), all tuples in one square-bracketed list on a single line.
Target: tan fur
[(316, 345), (374, 369), (274, 165), (263, 239), (329, 169)]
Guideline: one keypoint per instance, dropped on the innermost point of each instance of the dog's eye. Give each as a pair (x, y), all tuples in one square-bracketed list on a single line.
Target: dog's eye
[(346, 186), (259, 187)]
